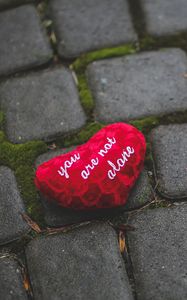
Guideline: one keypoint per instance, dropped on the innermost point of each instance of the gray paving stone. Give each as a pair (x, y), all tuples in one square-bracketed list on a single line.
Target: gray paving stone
[(158, 253), (84, 263), (10, 3), (12, 225), (139, 85), (24, 43), (58, 216), (11, 281), (169, 144), (165, 17), (141, 192), (41, 105), (83, 25)]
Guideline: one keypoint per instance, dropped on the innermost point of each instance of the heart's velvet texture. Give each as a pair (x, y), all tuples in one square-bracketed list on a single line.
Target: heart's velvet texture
[(97, 174)]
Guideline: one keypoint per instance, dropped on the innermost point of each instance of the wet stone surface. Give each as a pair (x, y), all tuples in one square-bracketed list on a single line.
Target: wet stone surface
[(11, 280), (24, 43), (170, 157), (87, 261), (82, 26), (158, 253), (12, 225), (166, 17), (41, 105), (140, 85)]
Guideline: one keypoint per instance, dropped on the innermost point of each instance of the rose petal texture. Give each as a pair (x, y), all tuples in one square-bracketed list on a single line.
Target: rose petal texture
[(97, 174)]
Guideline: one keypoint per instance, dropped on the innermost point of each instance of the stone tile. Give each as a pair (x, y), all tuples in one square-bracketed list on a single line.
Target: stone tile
[(24, 43), (41, 105), (141, 192), (84, 263), (158, 253), (169, 145), (165, 17), (58, 216), (12, 225), (10, 3), (11, 281), (139, 85), (83, 25)]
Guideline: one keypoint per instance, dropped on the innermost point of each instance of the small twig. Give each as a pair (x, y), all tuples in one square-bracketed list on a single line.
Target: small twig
[(31, 223), (122, 243)]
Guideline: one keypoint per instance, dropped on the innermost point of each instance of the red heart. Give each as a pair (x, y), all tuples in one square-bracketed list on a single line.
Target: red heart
[(97, 174)]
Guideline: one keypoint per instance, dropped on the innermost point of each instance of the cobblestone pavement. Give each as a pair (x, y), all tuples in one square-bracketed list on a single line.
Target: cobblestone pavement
[(66, 69)]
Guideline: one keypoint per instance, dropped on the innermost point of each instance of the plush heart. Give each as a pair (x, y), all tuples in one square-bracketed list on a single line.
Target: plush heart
[(97, 174)]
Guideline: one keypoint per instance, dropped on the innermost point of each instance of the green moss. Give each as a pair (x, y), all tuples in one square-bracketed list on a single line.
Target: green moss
[(178, 40), (145, 124), (2, 136), (160, 204), (149, 156), (20, 158), (81, 63), (148, 123), (147, 43), (177, 117), (21, 154), (83, 135), (1, 119), (85, 94), (25, 179)]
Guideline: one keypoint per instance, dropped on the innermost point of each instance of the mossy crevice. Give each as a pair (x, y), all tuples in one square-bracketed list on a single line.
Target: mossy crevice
[(149, 42), (138, 17), (2, 119), (148, 123), (160, 203), (47, 22), (85, 94), (80, 64), (20, 158), (145, 124)]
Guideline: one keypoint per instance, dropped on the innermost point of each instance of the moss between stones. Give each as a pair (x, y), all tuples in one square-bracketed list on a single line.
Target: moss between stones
[(145, 124), (2, 136), (150, 42), (1, 119), (20, 158), (161, 203), (85, 94), (177, 117), (80, 64)]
